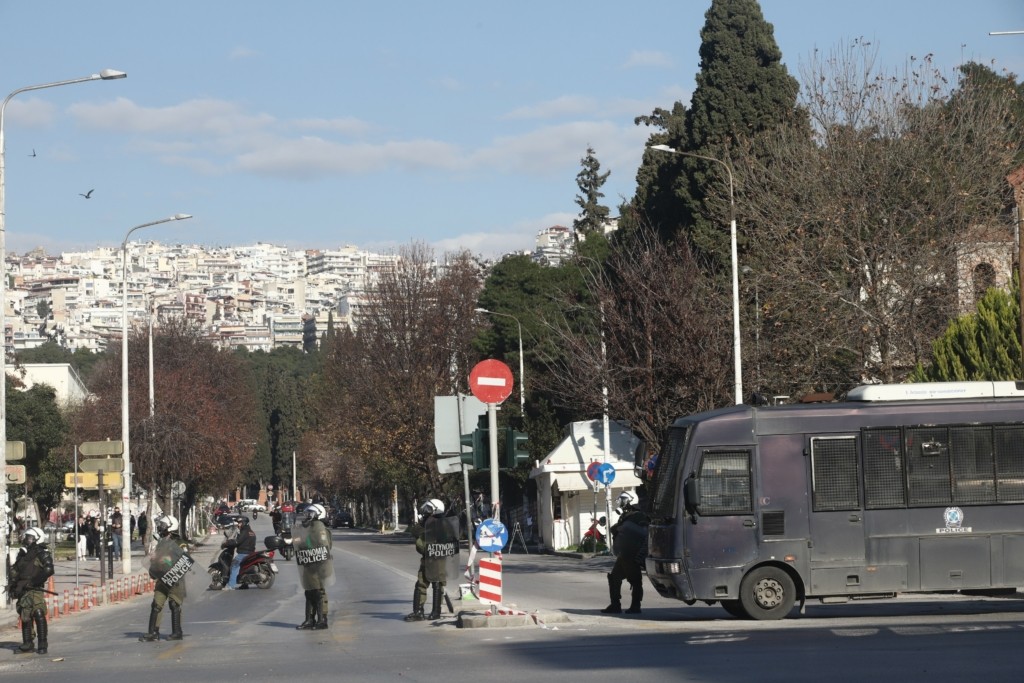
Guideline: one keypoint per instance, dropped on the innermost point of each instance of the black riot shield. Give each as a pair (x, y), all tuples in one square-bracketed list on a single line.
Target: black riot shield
[(169, 563), (631, 538), (312, 545), (441, 556)]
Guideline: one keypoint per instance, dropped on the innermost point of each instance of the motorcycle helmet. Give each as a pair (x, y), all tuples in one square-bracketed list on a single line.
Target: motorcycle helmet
[(165, 524), (432, 507), (32, 535), (315, 511)]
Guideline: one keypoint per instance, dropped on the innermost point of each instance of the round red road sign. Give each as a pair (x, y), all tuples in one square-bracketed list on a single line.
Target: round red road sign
[(491, 381)]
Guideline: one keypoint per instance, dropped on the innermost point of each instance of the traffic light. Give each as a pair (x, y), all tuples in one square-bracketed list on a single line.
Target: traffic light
[(479, 440), (516, 452)]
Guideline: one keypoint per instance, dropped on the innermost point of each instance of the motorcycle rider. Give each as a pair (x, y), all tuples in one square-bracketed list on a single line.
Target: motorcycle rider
[(437, 543), (168, 565), (244, 542), (629, 544), (31, 569), (312, 544)]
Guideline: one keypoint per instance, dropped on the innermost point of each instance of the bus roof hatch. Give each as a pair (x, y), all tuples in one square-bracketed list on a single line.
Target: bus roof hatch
[(935, 390)]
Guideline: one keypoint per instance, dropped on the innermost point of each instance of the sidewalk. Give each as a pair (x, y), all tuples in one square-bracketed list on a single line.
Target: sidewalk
[(82, 588)]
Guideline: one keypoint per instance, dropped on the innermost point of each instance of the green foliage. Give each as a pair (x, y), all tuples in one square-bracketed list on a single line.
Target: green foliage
[(593, 214), (33, 417), (979, 346), (82, 360)]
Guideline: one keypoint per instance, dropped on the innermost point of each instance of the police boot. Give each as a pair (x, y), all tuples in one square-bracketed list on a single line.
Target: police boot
[(615, 593), (154, 626), (42, 629), (26, 637), (438, 596), (176, 633), (310, 620), (417, 609), (321, 612), (634, 603)]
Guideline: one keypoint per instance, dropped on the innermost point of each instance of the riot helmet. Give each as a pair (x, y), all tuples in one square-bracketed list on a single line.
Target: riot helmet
[(32, 535), (432, 507), (626, 500), (315, 511), (165, 524)]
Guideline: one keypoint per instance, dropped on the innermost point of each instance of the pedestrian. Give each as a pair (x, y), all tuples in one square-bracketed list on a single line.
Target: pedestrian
[(275, 519), (82, 538), (312, 543), (143, 525), (169, 565), (437, 542), (31, 569), (131, 527), (116, 528), (629, 544), (243, 543), (92, 531)]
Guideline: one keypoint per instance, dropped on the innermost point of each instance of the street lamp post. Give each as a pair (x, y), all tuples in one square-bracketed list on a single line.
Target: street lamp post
[(737, 357), (522, 378), (126, 492), (105, 75)]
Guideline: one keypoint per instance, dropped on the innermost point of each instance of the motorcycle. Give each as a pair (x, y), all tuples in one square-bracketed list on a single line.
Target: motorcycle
[(593, 540), (257, 569)]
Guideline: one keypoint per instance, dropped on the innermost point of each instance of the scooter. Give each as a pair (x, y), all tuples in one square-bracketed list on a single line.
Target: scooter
[(593, 540), (257, 569)]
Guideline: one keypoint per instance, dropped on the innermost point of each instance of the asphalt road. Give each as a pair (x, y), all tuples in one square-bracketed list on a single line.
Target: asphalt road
[(248, 634)]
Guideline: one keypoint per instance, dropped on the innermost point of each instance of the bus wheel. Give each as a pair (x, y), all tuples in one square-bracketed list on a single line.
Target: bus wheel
[(735, 608), (767, 593)]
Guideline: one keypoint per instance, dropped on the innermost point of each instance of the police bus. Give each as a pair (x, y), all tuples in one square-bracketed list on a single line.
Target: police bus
[(897, 488)]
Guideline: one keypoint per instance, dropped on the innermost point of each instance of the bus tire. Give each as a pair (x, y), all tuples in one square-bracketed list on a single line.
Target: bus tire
[(767, 593), (735, 608)]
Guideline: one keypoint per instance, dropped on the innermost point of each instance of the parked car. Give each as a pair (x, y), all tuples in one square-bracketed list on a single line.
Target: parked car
[(342, 518)]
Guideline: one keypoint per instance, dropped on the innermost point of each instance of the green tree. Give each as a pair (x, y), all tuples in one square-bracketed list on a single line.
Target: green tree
[(983, 345), (33, 417), (590, 180)]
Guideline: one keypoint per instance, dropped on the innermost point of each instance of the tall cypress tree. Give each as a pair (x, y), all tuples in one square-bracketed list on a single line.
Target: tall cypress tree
[(593, 214), (742, 89)]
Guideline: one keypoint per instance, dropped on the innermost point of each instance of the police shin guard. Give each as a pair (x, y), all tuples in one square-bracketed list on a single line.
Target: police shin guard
[(321, 610), (417, 608), (154, 626), (310, 620), (638, 595), (42, 630), (176, 633), (615, 593), (26, 637), (438, 596)]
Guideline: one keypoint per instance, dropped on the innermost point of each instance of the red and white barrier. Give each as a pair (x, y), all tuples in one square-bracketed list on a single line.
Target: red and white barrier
[(490, 580)]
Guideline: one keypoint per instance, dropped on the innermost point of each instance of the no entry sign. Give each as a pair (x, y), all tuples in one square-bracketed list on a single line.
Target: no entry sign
[(491, 381)]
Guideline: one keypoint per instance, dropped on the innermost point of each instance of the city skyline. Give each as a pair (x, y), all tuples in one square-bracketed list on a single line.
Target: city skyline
[(460, 125)]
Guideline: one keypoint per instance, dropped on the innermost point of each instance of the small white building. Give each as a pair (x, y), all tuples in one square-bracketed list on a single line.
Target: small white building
[(68, 385), (566, 497)]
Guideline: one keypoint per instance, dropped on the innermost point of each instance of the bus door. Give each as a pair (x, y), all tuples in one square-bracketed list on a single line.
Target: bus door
[(837, 515), (724, 532)]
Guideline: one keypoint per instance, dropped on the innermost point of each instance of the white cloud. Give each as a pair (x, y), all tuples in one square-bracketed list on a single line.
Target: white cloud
[(242, 52), (566, 105), (31, 112), (648, 58), (346, 125), (209, 117)]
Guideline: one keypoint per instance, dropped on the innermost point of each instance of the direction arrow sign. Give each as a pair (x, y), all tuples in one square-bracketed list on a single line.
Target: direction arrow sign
[(606, 474), (90, 480), (101, 448), (491, 381), (105, 464), (15, 474)]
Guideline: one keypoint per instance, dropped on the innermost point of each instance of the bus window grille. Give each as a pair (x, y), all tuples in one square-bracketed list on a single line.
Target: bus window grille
[(884, 486), (1010, 464), (773, 523), (836, 479)]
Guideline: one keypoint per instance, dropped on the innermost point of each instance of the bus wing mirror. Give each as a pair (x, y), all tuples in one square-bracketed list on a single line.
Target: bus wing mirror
[(691, 496), (639, 456)]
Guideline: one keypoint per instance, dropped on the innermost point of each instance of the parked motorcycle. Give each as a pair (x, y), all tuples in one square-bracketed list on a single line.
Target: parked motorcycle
[(257, 569), (593, 540)]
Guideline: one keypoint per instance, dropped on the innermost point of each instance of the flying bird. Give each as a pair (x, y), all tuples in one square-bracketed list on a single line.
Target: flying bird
[(33, 153), (87, 195)]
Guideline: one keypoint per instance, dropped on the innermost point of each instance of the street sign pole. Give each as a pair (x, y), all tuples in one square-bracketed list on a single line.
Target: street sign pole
[(492, 433), (491, 382)]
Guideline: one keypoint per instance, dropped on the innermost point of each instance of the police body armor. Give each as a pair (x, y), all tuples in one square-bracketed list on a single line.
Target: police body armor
[(630, 537), (312, 544), (441, 554), (170, 563)]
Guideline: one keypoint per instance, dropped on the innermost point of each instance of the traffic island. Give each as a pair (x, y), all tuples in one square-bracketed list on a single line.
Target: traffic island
[(504, 617)]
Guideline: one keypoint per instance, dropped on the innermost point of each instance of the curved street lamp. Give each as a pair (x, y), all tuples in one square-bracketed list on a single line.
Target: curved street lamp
[(126, 492), (737, 357), (522, 378), (105, 75)]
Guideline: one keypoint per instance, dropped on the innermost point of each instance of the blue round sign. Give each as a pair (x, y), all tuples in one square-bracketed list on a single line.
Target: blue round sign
[(491, 536), (606, 474)]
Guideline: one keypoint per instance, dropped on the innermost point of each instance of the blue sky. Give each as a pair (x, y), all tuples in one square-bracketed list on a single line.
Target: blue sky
[(324, 123)]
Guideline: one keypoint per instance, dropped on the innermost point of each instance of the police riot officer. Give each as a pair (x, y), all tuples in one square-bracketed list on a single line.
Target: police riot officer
[(169, 565), (31, 569), (311, 541), (629, 544), (438, 546)]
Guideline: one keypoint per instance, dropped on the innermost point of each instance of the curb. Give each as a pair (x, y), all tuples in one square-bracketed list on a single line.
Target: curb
[(503, 617)]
